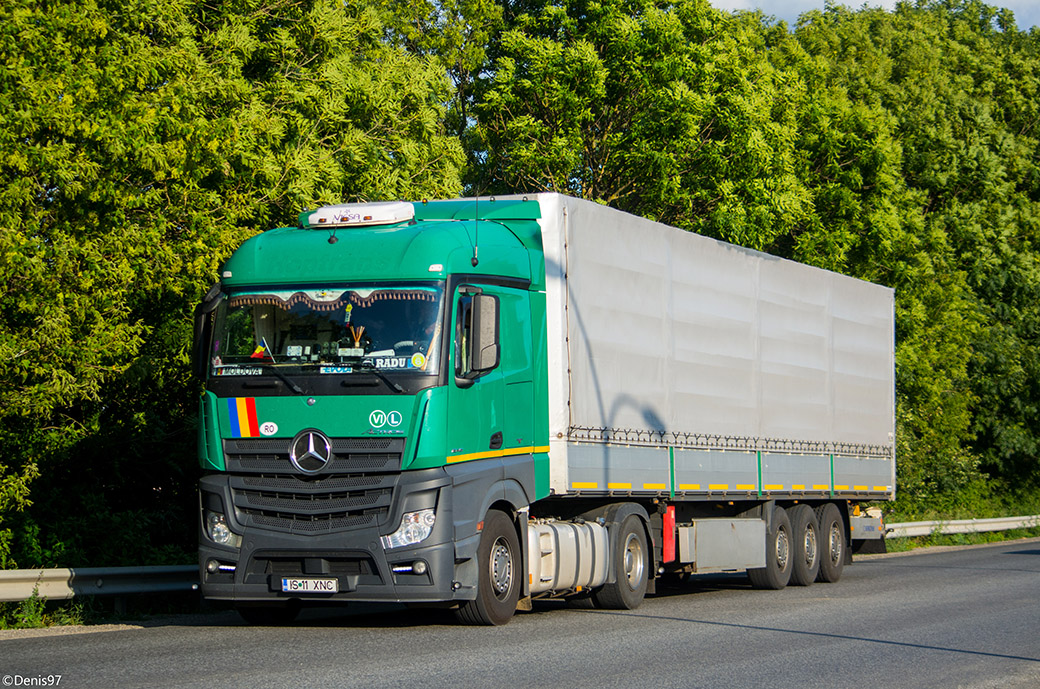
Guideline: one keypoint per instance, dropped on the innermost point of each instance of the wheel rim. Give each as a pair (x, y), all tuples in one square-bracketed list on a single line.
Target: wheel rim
[(634, 561), (810, 546), (783, 549), (835, 544), (501, 568)]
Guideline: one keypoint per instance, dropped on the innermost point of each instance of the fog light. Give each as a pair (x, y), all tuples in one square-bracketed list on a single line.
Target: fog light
[(219, 532), (212, 566), (415, 527), (419, 567)]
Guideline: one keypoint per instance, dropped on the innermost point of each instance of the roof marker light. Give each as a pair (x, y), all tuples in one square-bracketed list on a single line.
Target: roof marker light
[(359, 214)]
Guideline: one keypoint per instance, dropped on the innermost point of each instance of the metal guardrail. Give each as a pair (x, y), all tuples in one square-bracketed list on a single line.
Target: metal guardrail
[(62, 584), (955, 526)]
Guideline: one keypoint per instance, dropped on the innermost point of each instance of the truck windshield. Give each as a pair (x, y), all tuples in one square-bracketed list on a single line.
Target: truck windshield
[(333, 330)]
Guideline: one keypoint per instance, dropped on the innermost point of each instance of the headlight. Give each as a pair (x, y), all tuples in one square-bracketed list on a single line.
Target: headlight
[(219, 532), (415, 527)]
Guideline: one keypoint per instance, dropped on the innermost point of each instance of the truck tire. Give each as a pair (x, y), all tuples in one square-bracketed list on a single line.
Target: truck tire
[(805, 556), (777, 571), (832, 543), (631, 557), (269, 615), (498, 582)]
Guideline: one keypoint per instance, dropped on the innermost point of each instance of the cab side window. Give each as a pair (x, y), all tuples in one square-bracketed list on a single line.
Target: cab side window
[(476, 335), (463, 337)]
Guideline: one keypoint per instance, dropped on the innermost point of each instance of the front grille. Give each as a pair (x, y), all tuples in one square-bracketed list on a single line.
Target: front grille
[(355, 491), (350, 455)]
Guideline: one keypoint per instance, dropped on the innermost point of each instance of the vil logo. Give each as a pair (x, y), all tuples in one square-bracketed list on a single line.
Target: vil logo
[(378, 419)]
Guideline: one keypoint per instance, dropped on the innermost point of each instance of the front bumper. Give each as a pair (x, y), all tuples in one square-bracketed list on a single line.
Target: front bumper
[(356, 558)]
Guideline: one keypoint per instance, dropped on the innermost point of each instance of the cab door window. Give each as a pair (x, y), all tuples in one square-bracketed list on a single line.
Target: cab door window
[(476, 336)]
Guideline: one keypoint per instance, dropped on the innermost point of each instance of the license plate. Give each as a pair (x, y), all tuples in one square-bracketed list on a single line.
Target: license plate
[(310, 585)]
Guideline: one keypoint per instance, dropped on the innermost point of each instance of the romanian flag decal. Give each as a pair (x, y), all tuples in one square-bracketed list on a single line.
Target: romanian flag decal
[(242, 415)]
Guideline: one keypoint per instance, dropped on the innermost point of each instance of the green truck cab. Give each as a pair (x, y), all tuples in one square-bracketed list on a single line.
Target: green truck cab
[(372, 395)]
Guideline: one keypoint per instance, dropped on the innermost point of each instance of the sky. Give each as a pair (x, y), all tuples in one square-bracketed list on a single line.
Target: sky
[(1027, 12)]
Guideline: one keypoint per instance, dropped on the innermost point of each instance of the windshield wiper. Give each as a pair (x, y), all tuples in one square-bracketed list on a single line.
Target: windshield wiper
[(286, 379), (369, 367)]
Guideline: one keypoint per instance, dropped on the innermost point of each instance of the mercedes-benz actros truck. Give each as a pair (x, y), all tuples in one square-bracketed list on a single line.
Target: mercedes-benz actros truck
[(479, 402)]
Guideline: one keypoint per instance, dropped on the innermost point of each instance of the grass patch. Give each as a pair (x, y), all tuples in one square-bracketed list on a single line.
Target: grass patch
[(36, 611)]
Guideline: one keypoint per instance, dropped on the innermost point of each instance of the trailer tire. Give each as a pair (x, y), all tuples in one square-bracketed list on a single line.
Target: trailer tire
[(498, 582), (832, 543), (777, 571), (269, 615), (631, 557), (805, 558)]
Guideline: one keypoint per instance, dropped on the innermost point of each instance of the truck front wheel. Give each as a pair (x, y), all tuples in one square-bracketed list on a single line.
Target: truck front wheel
[(499, 563), (631, 562)]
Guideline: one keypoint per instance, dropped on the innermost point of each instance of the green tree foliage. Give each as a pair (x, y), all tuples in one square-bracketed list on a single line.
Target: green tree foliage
[(140, 143), (454, 34)]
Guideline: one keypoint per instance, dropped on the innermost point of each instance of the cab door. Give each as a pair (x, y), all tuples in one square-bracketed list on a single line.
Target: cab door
[(492, 410), (476, 416)]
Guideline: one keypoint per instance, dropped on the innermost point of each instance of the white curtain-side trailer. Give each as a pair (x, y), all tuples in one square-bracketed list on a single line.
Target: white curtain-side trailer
[(744, 401)]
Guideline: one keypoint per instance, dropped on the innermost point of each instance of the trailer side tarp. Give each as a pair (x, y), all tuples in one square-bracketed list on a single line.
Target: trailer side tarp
[(672, 339)]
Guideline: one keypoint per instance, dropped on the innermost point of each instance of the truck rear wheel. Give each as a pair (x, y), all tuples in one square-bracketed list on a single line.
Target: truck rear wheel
[(632, 564), (498, 584), (805, 563), (832, 543), (777, 571)]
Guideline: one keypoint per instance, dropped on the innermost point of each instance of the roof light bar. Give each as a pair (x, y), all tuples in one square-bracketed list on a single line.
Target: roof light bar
[(358, 214)]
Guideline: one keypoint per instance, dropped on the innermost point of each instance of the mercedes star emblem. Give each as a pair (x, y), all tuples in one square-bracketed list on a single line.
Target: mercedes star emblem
[(310, 451)]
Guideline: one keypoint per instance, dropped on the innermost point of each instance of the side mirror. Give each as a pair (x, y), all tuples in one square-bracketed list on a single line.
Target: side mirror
[(485, 348), (203, 331)]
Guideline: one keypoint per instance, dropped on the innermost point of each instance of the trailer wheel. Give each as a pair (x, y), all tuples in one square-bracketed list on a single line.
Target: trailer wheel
[(269, 615), (777, 571), (498, 587), (805, 562), (832, 543), (632, 564)]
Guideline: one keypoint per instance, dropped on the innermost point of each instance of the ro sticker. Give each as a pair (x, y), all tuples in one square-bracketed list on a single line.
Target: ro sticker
[(268, 428)]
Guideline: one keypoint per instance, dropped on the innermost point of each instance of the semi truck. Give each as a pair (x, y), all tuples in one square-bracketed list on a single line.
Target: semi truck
[(476, 403)]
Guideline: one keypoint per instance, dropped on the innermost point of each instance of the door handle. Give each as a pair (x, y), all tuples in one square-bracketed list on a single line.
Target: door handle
[(496, 441)]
